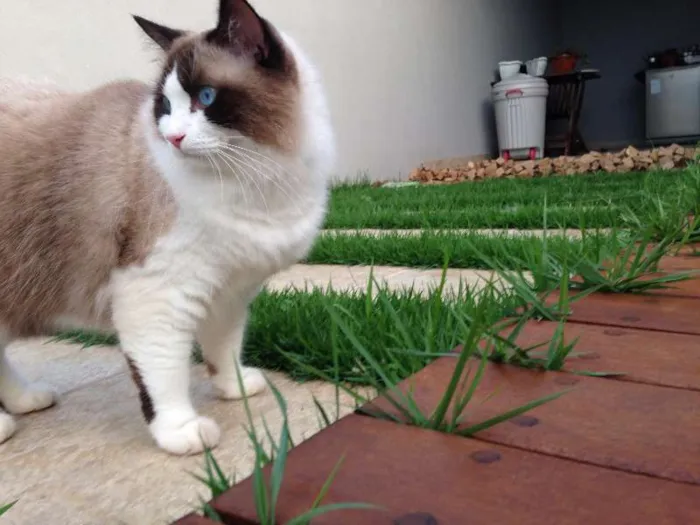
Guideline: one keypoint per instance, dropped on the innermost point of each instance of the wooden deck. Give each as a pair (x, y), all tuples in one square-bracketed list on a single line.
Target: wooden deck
[(616, 450)]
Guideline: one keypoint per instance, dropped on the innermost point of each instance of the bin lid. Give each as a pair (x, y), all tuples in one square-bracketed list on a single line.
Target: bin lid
[(528, 84)]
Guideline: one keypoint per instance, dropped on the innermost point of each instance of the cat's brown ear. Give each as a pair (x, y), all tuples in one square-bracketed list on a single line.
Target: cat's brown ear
[(161, 35), (241, 30)]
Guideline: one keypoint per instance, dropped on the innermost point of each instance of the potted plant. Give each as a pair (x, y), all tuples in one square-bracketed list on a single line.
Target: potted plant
[(566, 61)]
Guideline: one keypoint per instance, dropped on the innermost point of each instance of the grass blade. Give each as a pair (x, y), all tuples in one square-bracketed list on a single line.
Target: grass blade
[(5, 508), (406, 405), (479, 427), (306, 518), (280, 461), (327, 484), (322, 411)]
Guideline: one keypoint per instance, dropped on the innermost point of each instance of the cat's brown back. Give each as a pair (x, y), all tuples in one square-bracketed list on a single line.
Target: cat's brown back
[(78, 197)]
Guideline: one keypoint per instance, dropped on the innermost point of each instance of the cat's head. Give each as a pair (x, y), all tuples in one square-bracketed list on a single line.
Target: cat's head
[(237, 81)]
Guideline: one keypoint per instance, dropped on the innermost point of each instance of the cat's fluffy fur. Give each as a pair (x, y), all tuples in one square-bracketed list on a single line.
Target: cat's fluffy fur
[(104, 222)]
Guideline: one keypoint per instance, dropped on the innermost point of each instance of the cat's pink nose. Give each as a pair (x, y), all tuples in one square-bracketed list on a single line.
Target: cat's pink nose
[(176, 140)]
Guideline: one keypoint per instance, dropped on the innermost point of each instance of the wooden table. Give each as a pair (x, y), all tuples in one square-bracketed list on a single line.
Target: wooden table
[(565, 101)]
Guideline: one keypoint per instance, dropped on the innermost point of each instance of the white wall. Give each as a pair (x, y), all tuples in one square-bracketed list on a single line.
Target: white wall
[(408, 80)]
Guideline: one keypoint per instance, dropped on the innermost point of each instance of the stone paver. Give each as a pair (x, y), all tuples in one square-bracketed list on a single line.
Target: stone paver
[(90, 460), (355, 278), (65, 367)]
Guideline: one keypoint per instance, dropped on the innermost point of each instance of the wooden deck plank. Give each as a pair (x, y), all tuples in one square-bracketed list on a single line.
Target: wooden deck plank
[(689, 249), (679, 315), (655, 358), (419, 475), (677, 264), (690, 288), (680, 263), (633, 427)]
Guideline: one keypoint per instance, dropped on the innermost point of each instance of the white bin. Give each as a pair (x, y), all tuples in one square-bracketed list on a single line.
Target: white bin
[(520, 103)]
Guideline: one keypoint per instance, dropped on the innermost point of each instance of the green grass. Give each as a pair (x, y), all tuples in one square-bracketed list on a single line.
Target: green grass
[(431, 249), (472, 326), (298, 323), (402, 330), (448, 416), (267, 487), (631, 271), (5, 508), (508, 351), (666, 215), (285, 324), (596, 201), (627, 263)]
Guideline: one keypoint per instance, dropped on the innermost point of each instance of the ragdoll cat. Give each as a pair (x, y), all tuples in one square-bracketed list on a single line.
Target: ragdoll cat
[(160, 211)]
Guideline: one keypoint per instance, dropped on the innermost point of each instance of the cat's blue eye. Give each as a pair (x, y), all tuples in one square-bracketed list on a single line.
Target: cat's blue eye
[(165, 101), (206, 96)]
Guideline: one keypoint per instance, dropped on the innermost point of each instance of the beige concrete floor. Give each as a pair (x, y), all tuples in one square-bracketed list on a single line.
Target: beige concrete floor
[(355, 278), (90, 460)]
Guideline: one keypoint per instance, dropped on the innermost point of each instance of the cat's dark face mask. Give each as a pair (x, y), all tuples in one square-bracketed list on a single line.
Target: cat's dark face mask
[(235, 86)]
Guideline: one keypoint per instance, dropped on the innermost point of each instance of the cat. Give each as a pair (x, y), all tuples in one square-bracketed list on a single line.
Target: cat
[(159, 211)]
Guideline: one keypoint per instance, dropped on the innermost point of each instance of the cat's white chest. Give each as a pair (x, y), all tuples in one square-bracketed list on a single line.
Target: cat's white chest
[(239, 223), (217, 246)]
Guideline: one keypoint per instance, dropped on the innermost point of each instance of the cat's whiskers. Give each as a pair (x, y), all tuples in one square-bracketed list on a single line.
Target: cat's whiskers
[(237, 174), (276, 181), (272, 161), (239, 162), (204, 149), (239, 151), (216, 168), (278, 177)]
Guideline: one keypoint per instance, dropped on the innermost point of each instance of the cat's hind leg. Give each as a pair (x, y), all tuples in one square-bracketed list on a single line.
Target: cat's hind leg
[(16, 395)]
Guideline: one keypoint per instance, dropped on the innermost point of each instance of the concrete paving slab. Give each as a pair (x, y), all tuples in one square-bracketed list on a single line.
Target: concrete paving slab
[(62, 366), (90, 460), (355, 278)]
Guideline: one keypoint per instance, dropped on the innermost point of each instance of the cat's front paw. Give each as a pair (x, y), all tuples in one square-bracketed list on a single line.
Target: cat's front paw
[(189, 437), (229, 388), (31, 399), (7, 427)]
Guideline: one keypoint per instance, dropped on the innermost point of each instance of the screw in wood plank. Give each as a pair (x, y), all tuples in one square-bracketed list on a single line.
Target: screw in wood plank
[(614, 332), (525, 421), (417, 518), (485, 457), (566, 380)]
